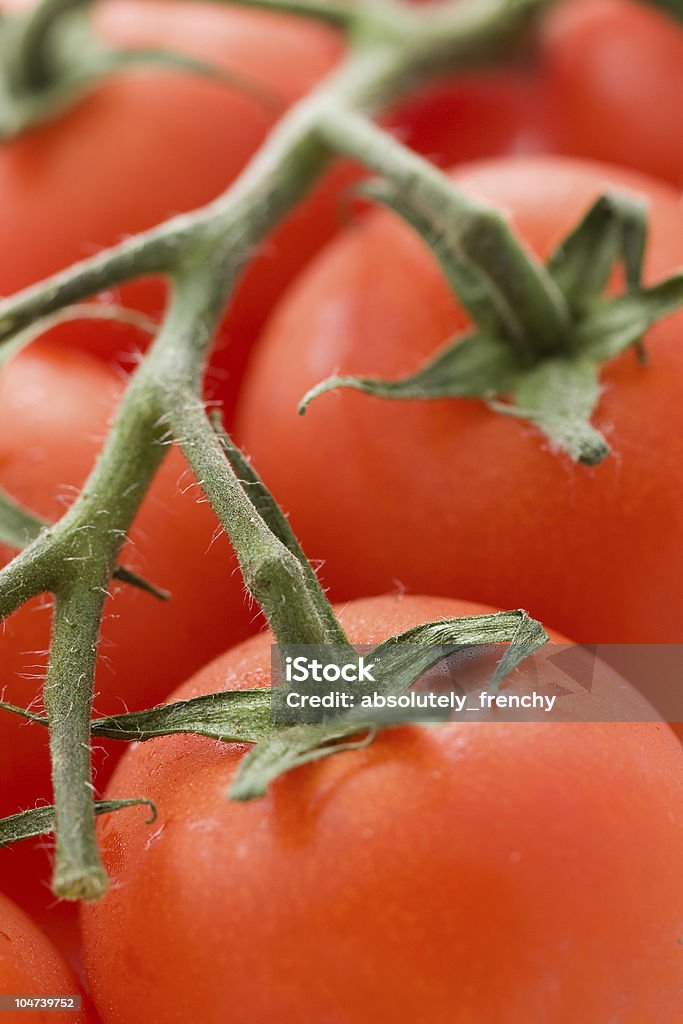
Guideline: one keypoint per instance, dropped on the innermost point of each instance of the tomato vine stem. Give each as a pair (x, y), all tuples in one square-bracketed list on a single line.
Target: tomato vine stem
[(531, 308), (68, 695), (32, 64)]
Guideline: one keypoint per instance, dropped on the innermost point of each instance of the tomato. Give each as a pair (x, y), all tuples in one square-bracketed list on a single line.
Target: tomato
[(448, 497), (30, 965), (612, 71), (472, 115), (149, 144), (471, 871), (55, 406)]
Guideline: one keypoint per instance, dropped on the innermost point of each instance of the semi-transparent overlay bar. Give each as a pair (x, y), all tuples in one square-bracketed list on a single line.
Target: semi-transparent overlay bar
[(427, 683)]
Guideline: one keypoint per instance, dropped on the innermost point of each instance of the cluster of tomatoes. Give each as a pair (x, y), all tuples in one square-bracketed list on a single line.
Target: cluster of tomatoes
[(515, 875)]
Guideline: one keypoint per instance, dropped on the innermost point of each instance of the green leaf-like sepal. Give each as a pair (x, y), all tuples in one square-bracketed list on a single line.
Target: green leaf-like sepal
[(40, 821), (612, 326), (559, 397), (233, 716), (471, 367), (613, 230)]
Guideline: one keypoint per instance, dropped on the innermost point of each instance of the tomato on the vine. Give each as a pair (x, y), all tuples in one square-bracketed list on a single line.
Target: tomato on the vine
[(31, 967), (448, 496), (612, 73), (469, 871)]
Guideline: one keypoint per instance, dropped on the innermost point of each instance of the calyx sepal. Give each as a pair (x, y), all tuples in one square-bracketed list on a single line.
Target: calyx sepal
[(558, 388)]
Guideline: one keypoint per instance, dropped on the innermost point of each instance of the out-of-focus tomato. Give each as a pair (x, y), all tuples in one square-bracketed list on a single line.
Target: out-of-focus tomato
[(472, 115), (31, 967), (612, 74), (150, 143)]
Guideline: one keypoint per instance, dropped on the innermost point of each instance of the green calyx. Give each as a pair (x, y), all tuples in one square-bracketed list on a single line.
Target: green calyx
[(541, 332), (50, 58), (40, 821)]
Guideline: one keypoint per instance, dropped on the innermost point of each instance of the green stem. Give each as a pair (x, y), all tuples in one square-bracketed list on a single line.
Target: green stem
[(532, 309), (272, 573), (277, 521), (153, 252), (79, 873), (32, 65), (32, 572)]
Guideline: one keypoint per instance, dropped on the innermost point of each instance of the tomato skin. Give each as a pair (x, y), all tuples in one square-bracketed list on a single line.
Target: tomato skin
[(55, 406), (471, 872), (472, 115), (612, 71), (448, 497), (30, 965)]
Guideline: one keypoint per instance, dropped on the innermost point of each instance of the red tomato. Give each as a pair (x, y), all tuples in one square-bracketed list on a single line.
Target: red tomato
[(472, 115), (148, 144), (31, 966), (612, 71), (55, 406), (449, 497), (451, 874)]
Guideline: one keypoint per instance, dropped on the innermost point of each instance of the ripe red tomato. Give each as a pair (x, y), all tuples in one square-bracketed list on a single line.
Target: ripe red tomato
[(148, 144), (612, 71), (449, 497), (55, 406), (455, 873), (30, 965), (472, 115)]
